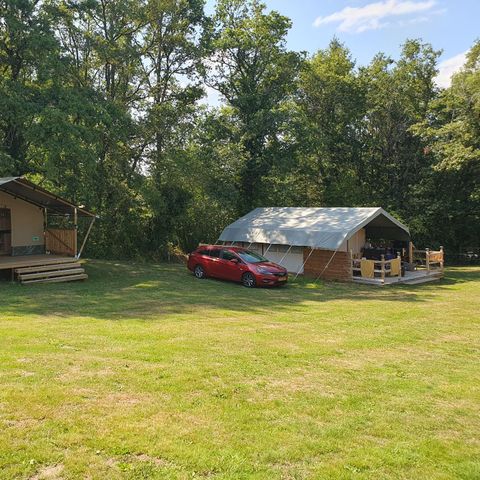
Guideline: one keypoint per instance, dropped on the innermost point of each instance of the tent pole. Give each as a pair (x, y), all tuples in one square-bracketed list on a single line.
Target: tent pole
[(304, 263), (268, 248), (85, 239), (286, 253), (326, 266)]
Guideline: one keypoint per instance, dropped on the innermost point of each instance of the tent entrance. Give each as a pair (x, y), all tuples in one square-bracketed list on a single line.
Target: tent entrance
[(5, 231)]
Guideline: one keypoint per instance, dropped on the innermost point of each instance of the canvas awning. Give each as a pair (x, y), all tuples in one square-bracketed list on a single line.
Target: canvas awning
[(23, 189), (325, 228)]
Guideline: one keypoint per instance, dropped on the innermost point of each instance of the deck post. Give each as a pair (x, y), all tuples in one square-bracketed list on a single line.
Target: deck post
[(410, 253), (45, 228), (441, 258), (400, 262), (75, 235), (351, 263), (427, 259), (382, 272)]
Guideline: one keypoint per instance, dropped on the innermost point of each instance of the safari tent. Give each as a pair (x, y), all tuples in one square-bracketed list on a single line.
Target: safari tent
[(39, 233), (364, 244)]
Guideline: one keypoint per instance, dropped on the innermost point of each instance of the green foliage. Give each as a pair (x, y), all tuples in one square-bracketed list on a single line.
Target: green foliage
[(332, 100), (99, 101), (451, 131), (256, 74)]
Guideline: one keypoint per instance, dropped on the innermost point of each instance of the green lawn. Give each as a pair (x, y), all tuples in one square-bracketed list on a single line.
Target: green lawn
[(145, 372)]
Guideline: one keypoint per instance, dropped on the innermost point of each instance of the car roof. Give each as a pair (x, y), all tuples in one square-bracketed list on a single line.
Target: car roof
[(225, 247)]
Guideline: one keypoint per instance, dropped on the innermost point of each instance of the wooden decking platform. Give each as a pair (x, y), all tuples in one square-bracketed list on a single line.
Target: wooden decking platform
[(21, 261), (43, 268), (410, 278)]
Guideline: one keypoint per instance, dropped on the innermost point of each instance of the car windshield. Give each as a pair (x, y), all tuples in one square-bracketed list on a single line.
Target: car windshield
[(251, 257)]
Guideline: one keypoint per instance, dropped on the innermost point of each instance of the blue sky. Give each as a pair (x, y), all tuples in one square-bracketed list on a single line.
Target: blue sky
[(370, 26)]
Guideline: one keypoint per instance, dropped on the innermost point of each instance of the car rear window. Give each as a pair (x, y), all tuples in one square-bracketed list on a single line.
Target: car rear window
[(202, 252)]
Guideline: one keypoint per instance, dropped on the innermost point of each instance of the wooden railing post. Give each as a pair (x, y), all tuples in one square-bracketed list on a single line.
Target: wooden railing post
[(427, 259), (382, 274), (441, 257), (351, 263), (399, 257), (75, 221), (410, 253)]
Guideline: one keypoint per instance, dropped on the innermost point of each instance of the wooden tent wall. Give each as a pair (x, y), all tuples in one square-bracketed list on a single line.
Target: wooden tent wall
[(328, 264)]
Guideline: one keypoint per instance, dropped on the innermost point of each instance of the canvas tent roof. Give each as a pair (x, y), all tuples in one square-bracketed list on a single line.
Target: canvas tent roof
[(325, 228), (25, 190)]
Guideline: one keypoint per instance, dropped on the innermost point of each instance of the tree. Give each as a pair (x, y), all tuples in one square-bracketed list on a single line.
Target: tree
[(171, 55), (29, 60), (255, 73), (398, 96), (332, 103), (449, 197)]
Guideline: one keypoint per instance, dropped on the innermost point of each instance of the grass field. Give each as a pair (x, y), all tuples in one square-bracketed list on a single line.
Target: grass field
[(145, 372)]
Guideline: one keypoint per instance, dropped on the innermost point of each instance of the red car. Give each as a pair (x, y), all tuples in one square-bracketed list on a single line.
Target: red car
[(237, 264)]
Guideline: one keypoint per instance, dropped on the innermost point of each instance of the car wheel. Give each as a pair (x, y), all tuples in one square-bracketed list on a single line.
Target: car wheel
[(248, 280), (199, 272)]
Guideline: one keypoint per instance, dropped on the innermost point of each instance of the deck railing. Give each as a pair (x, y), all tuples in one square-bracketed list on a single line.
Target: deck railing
[(382, 266), (429, 259)]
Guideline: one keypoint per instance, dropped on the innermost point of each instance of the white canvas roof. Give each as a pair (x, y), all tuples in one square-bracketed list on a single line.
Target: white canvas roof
[(325, 228)]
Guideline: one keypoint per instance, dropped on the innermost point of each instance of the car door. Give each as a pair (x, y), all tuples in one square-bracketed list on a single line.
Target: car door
[(230, 270), (212, 263)]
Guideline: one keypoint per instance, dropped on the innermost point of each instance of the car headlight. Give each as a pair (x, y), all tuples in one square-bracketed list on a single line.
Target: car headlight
[(264, 271)]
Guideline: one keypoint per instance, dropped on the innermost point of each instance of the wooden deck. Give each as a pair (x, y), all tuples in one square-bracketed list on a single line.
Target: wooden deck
[(28, 269), (21, 261), (410, 278)]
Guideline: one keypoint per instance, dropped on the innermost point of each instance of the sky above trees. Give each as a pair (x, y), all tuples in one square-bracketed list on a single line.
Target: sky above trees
[(369, 26)]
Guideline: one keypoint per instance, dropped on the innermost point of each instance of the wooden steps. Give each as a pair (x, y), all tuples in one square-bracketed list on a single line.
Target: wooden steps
[(46, 268), (431, 277), (68, 278), (64, 271), (410, 278)]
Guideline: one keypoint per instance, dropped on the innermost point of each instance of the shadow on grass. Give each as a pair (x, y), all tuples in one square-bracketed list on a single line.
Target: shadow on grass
[(117, 290), (460, 275)]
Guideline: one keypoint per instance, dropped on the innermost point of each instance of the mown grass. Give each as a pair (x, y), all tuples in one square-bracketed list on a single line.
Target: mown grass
[(145, 372)]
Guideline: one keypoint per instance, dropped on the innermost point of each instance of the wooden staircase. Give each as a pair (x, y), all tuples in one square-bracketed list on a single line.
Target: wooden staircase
[(431, 276), (63, 270)]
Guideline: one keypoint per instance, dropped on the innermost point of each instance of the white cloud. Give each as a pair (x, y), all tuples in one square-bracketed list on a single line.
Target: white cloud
[(372, 15), (448, 67)]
